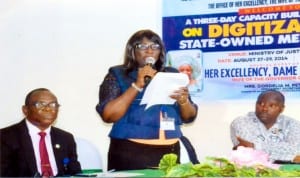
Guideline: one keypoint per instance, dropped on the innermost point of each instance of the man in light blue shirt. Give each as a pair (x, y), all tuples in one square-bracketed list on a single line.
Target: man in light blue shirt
[(268, 130)]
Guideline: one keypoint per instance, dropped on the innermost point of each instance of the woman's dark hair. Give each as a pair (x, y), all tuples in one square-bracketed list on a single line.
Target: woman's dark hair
[(129, 58)]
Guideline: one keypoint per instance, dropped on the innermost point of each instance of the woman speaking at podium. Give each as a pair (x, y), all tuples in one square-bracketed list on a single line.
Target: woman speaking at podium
[(140, 137)]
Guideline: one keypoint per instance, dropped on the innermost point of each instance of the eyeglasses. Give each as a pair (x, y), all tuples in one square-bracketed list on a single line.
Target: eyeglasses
[(42, 105), (153, 46)]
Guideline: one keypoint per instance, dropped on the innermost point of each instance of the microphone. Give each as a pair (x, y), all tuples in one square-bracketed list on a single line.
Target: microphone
[(149, 62)]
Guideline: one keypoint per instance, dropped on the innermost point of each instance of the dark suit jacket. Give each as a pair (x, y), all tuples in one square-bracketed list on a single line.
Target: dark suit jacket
[(17, 154)]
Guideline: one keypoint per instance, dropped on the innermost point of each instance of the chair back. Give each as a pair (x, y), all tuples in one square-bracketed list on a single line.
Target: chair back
[(187, 151), (88, 155)]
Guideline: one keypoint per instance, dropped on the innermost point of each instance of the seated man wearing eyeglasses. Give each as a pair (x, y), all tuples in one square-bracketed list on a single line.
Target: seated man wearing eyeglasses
[(32, 147)]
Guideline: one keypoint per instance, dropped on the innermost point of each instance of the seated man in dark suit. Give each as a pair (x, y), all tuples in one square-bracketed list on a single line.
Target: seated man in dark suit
[(23, 152)]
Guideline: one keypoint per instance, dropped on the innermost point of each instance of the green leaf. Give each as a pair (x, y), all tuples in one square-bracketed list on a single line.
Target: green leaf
[(167, 162), (218, 167), (181, 170)]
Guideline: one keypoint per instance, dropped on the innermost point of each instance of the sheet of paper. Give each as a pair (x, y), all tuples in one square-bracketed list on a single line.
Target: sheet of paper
[(119, 174), (162, 85)]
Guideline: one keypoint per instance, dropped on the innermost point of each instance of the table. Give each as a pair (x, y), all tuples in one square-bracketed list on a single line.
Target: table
[(290, 167), (148, 172), (128, 173), (153, 172)]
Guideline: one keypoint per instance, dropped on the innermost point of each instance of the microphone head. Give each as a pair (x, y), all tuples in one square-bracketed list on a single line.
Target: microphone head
[(149, 61)]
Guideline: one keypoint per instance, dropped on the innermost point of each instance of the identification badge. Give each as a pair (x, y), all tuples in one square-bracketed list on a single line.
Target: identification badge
[(167, 124)]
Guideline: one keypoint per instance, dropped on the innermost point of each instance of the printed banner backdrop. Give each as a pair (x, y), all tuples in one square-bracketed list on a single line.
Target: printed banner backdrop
[(234, 49)]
